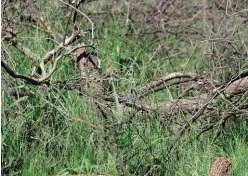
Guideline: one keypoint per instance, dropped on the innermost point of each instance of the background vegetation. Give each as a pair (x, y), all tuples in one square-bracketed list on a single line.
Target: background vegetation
[(60, 131)]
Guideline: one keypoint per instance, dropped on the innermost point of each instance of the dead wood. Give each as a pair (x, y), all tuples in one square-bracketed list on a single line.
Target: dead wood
[(33, 80), (238, 87), (221, 167), (9, 35), (166, 78), (170, 16)]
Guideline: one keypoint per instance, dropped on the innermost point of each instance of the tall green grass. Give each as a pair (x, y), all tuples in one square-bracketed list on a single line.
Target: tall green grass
[(57, 132)]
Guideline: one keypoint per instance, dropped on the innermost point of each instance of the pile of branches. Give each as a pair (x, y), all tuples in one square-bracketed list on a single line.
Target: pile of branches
[(167, 16), (224, 33)]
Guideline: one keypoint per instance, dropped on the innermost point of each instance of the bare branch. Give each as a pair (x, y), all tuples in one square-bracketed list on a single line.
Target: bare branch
[(62, 46), (238, 86), (92, 24), (166, 78), (165, 86), (14, 74), (32, 80)]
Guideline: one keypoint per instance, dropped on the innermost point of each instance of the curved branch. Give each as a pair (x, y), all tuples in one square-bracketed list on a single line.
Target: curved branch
[(37, 81), (166, 78), (31, 80), (14, 74), (157, 89)]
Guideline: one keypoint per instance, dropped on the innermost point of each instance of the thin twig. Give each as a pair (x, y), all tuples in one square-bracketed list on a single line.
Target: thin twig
[(92, 24)]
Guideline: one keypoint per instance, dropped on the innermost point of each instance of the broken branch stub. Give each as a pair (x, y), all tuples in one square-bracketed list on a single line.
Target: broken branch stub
[(238, 86)]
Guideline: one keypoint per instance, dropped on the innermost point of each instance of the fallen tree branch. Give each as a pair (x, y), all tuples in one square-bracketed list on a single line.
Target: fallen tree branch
[(223, 120), (166, 78), (165, 86), (187, 104), (239, 86), (37, 81), (200, 112), (233, 88), (14, 74)]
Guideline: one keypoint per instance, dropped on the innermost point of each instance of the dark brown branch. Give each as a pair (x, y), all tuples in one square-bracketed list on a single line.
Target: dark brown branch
[(37, 81), (14, 74), (21, 94)]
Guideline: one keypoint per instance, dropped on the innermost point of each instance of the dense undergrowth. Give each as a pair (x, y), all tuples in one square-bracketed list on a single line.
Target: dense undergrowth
[(56, 132)]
